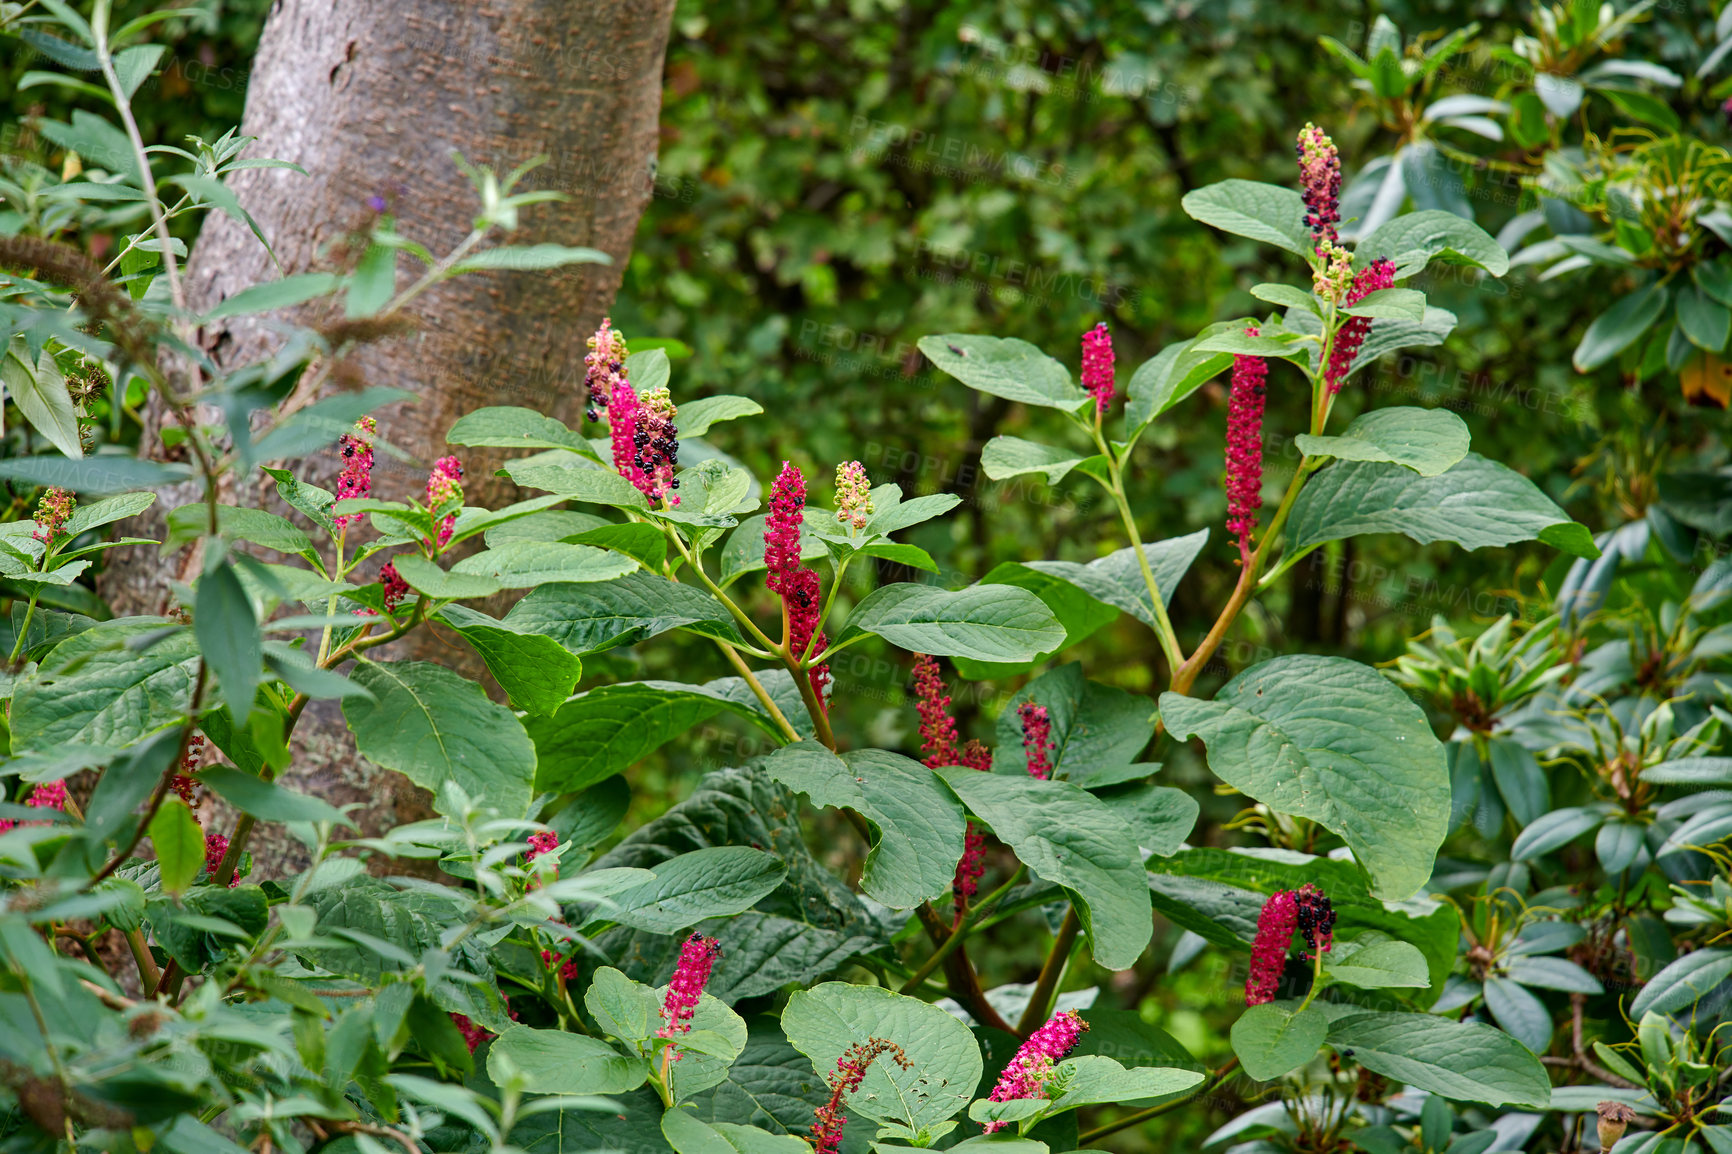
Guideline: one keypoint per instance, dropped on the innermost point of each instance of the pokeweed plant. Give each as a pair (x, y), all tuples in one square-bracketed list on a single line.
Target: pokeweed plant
[(520, 990)]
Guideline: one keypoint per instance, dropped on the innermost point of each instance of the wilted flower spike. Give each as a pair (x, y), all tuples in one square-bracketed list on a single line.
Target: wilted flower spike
[(850, 1072), (1275, 927), (1244, 485), (1027, 1074), (853, 494), (357, 477), (1036, 738), (697, 958), (932, 702), (51, 513), (1379, 274), (445, 485), (1320, 178), (395, 587), (604, 367), (1097, 366)]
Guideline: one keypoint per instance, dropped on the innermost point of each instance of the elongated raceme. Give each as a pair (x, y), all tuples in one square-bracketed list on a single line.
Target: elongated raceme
[(356, 479), (851, 1068), (1097, 366), (1029, 1071), (1244, 483), (697, 958), (1379, 274)]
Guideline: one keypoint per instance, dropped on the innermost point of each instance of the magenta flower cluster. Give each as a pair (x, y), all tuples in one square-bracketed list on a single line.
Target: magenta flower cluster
[(445, 486), (603, 367), (1036, 738), (46, 795), (356, 479), (939, 747), (1306, 909), (697, 957), (216, 847), (798, 585), (1379, 274), (1028, 1073), (1245, 403), (646, 442), (1097, 366)]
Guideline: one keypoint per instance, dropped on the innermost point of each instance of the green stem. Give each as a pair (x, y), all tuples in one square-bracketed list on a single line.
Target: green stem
[(758, 690), (737, 613), (961, 932), (1142, 1116), (1316, 981), (24, 629), (1116, 486), (1047, 984)]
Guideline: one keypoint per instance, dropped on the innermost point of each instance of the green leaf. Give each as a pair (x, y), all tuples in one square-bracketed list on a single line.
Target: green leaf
[(514, 427), (1170, 376), (1265, 212), (529, 258), (1428, 441), (706, 883), (695, 417), (526, 564), (322, 423), (1004, 367), (1094, 1079), (895, 515), (1237, 341), (1462, 1061), (646, 544), (1160, 818), (1615, 329), (1705, 321), (622, 1008), (425, 576), (1073, 839), (1475, 503), (593, 486), (1390, 304), (944, 1061), (744, 551), (1006, 457), (228, 636), (919, 824), (700, 1069), (189, 522), (554, 1062), (267, 800), (313, 502), (612, 727), (1117, 579), (985, 622), (687, 1135), (433, 726), (1684, 983), (596, 617), (106, 473), (1273, 1040), (1414, 240), (40, 393), (1285, 295), (106, 512), (179, 844), (1331, 740), (277, 294), (1093, 725), (535, 671), (1379, 966)]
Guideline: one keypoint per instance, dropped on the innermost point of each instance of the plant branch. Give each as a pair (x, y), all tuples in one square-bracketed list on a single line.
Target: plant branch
[(1141, 1116), (1047, 984), (960, 932)]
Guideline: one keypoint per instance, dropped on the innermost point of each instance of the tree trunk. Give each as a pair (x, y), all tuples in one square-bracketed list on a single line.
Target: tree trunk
[(371, 97)]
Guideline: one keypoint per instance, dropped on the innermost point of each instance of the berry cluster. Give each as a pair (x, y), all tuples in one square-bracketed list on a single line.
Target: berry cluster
[(444, 487), (1320, 176), (1036, 738), (1316, 918), (1244, 483), (357, 476)]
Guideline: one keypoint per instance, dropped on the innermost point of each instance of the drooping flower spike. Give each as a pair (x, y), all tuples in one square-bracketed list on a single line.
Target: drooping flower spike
[(445, 485), (851, 1070), (932, 701), (52, 512), (1028, 1073), (1245, 402), (357, 476), (1036, 738), (1275, 927), (697, 957), (1379, 274), (1097, 366), (1320, 181)]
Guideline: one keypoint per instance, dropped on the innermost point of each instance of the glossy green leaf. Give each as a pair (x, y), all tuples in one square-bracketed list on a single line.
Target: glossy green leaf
[(1271, 1040), (1007, 457), (1004, 367), (536, 672), (985, 622), (591, 618), (1462, 1061), (1428, 441), (514, 427), (1266, 212), (1615, 329), (554, 1062), (527, 564)]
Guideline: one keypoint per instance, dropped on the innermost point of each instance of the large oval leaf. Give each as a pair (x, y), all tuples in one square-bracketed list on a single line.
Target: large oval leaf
[(985, 622), (1462, 1061), (706, 883), (1005, 367), (1331, 740)]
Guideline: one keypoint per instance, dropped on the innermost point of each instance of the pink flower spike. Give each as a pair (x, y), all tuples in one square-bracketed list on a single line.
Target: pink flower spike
[(51, 513), (604, 367), (1097, 366), (1027, 1074), (357, 477), (49, 795), (1320, 180), (782, 527), (215, 847), (1275, 926), (937, 728), (395, 587), (1244, 485), (473, 1035), (445, 485), (1036, 738), (851, 1070), (697, 957), (1379, 274)]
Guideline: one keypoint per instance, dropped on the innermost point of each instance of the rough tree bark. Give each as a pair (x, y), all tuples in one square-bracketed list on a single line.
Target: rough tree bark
[(371, 97)]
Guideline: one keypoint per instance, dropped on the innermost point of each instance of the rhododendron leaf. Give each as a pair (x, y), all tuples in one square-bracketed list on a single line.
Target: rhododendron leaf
[(1092, 724), (944, 1060), (425, 576), (1072, 838), (1461, 1061), (1334, 741), (1618, 327), (1378, 966), (1684, 982), (1428, 441), (594, 486), (602, 615), (1272, 1040), (526, 564), (1389, 304), (514, 427), (535, 671), (555, 1062), (706, 883), (919, 823), (695, 417), (1266, 212), (1414, 240), (986, 622), (597, 734), (1475, 503), (1092, 1079), (1006, 457), (1004, 367), (433, 726)]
